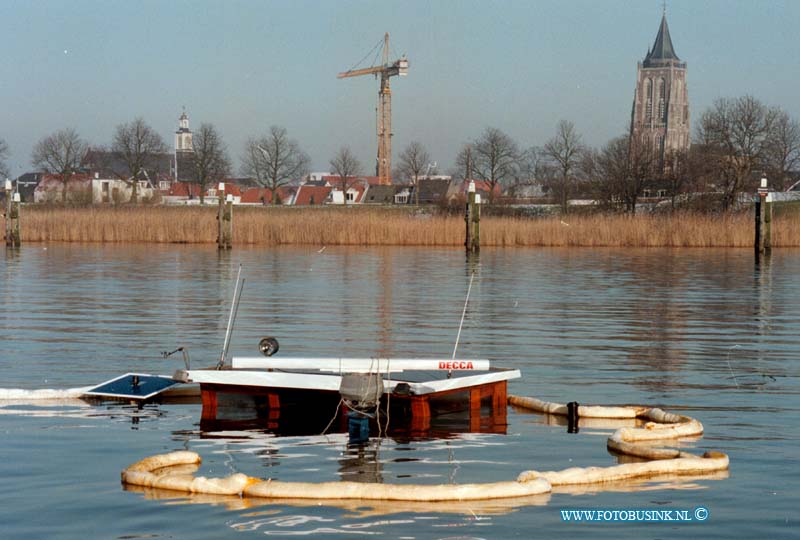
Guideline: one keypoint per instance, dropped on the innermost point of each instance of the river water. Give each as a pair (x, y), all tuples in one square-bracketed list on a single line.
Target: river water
[(700, 332)]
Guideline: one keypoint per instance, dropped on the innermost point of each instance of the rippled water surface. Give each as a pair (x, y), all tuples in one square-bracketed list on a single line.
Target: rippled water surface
[(703, 333)]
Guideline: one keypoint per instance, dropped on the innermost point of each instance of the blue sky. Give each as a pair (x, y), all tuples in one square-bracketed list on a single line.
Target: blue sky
[(520, 66)]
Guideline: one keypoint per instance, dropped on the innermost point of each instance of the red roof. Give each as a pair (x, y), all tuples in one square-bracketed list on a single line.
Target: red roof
[(480, 186), (264, 195), (232, 189), (53, 181), (307, 194), (182, 189)]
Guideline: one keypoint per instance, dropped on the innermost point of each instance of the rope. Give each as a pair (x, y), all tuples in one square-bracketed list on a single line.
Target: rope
[(335, 415), (463, 314), (380, 42)]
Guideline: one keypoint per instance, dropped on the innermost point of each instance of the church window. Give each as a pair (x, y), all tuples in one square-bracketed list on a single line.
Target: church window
[(662, 94), (648, 95)]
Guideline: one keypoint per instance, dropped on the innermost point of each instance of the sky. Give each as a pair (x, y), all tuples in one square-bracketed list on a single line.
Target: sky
[(520, 66)]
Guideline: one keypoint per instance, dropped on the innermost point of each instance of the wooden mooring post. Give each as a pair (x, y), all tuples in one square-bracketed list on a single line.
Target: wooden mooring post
[(13, 236), (472, 243), (763, 221), (224, 219)]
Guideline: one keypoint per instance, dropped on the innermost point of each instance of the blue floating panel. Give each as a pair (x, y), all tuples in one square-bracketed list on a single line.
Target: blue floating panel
[(133, 386)]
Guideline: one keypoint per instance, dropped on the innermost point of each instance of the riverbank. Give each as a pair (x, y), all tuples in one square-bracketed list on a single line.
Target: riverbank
[(370, 226)]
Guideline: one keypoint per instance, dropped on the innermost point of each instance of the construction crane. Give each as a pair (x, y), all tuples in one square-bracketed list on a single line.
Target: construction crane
[(383, 167)]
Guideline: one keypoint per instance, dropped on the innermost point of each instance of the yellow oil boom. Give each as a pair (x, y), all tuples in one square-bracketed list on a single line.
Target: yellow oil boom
[(383, 167)]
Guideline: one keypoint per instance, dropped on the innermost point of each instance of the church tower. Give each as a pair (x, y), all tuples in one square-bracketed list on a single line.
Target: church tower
[(183, 137), (184, 151), (660, 115)]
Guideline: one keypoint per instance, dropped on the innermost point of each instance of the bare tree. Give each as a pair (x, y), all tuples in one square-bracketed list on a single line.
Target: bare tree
[(783, 152), (533, 164), (3, 157), (682, 166), (138, 145), (274, 160), (621, 171), (61, 154), (211, 163), (737, 134), (413, 161), (465, 163), (346, 166), (496, 159), (533, 168), (564, 153)]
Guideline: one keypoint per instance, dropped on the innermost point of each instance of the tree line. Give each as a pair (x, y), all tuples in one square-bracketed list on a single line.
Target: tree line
[(736, 139)]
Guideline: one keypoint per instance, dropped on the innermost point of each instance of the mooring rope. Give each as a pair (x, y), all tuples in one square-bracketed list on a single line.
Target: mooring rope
[(154, 471)]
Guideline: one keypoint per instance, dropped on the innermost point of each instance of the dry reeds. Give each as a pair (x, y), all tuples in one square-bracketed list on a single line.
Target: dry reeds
[(391, 226)]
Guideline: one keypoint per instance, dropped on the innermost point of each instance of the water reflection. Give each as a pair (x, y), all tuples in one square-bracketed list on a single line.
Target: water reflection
[(362, 463), (701, 332)]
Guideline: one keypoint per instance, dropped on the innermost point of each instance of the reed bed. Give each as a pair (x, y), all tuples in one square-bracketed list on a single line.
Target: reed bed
[(367, 226)]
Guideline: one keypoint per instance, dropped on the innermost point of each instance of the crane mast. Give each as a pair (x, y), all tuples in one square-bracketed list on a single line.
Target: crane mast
[(383, 165)]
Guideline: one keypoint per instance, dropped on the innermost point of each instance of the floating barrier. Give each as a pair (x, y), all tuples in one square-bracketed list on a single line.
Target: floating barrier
[(159, 471)]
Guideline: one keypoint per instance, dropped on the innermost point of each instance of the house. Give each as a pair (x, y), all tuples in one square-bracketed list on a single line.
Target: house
[(403, 195), (527, 190), (186, 193), (111, 175), (263, 196), (357, 186), (117, 190), (158, 169), (26, 185), (212, 194), (381, 194), (86, 188), (460, 189), (311, 194), (335, 180), (432, 190), (50, 189), (354, 195)]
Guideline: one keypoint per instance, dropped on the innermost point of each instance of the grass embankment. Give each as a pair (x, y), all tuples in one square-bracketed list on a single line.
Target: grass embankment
[(392, 226)]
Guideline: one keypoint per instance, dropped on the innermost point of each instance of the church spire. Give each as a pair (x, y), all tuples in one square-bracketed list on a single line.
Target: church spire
[(662, 51)]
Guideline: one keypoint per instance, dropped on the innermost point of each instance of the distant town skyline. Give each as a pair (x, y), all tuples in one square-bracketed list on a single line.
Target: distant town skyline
[(520, 66)]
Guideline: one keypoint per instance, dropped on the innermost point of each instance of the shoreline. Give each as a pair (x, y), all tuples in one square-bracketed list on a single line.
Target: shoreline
[(382, 226)]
